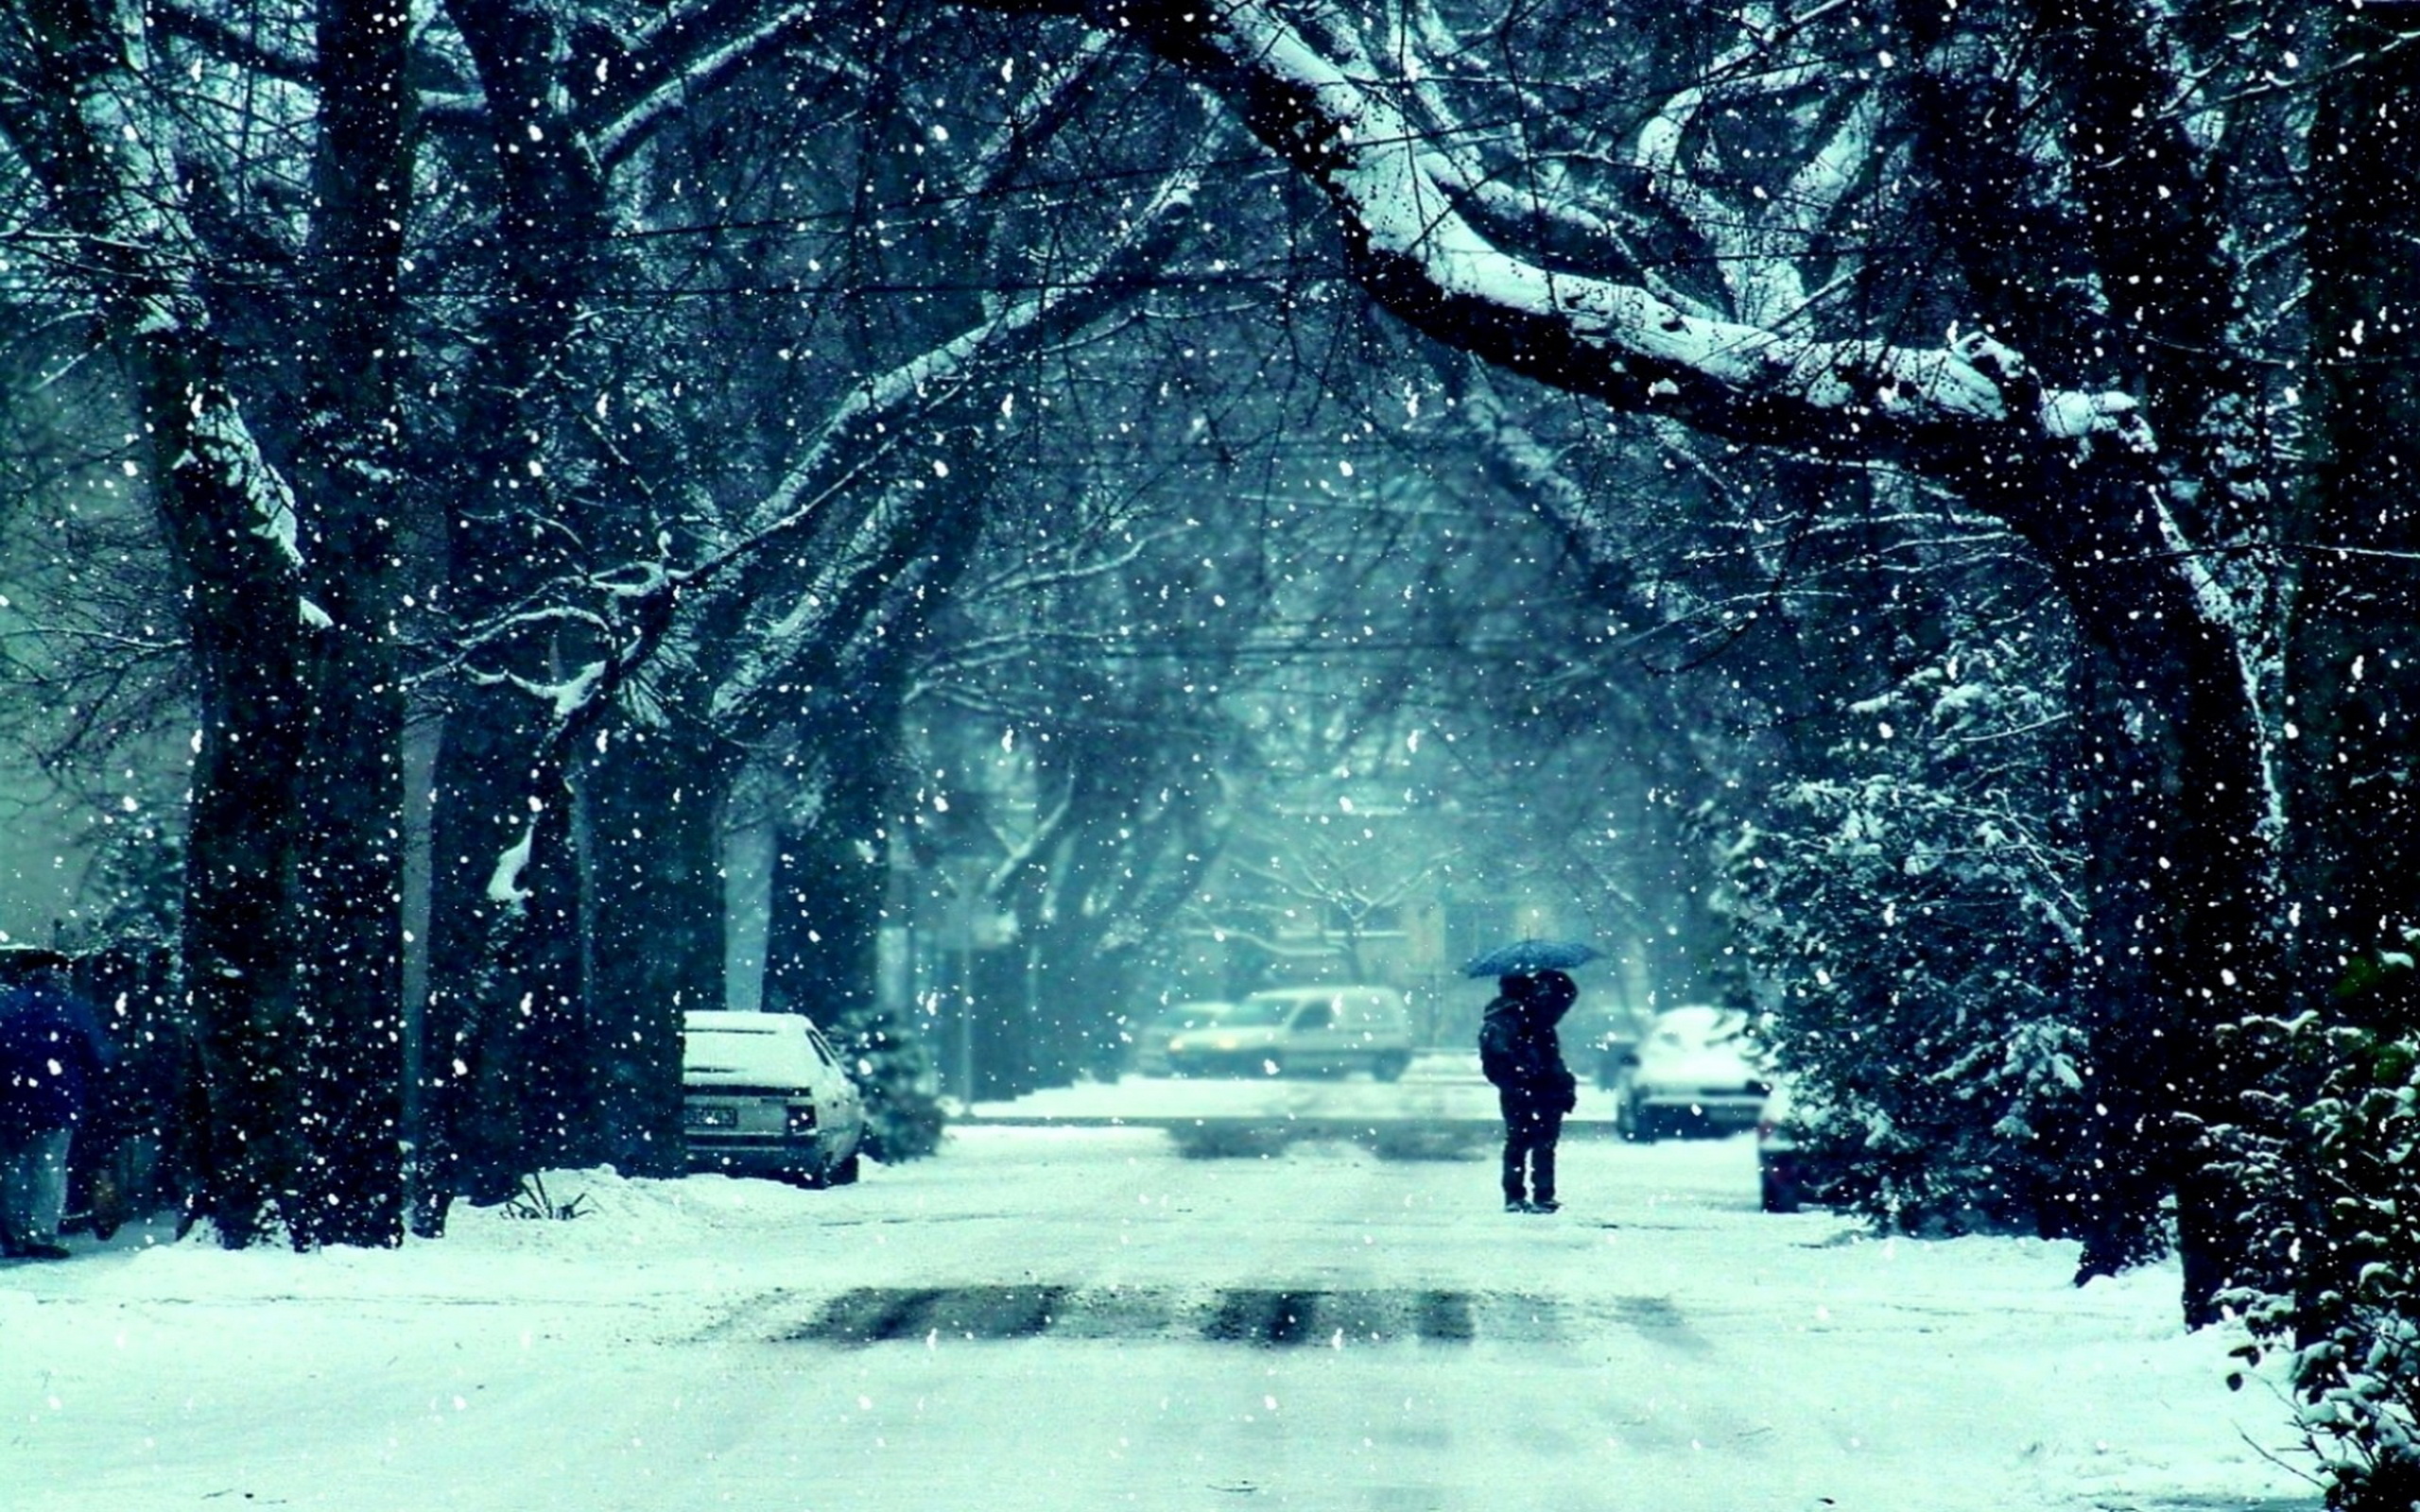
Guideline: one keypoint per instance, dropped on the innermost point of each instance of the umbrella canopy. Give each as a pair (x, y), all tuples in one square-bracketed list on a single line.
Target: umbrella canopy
[(18, 960), (52, 1054), (1531, 956)]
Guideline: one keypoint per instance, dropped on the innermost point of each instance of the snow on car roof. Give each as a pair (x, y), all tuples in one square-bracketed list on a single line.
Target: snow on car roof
[(733, 1021), (770, 1049), (1355, 1001), (1698, 1018)]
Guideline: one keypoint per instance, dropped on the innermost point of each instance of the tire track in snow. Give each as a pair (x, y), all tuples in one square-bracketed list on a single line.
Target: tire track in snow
[(1253, 1317)]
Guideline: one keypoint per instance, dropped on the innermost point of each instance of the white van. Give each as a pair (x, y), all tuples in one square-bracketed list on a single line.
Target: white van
[(1305, 1030), (764, 1095), (1151, 1039)]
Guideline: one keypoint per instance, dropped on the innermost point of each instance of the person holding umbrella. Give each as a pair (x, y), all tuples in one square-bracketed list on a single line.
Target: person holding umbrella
[(52, 1054), (1521, 1055)]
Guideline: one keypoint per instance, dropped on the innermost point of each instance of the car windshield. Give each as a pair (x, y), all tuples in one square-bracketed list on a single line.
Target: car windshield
[(1196, 1015), (1255, 1013)]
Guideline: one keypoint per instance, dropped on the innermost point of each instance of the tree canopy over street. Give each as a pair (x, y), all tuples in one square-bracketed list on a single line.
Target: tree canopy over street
[(1905, 511)]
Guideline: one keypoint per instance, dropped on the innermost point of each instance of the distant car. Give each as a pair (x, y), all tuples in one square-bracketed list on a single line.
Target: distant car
[(1787, 1175), (1693, 1073), (764, 1095), (1150, 1054), (1614, 1054), (1302, 1031), (1608, 1043)]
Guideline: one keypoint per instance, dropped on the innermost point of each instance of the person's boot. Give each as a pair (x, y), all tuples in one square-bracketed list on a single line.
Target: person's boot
[(1514, 1202), (1542, 1205)]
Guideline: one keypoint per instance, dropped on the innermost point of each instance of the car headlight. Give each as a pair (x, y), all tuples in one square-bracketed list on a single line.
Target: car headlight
[(801, 1118)]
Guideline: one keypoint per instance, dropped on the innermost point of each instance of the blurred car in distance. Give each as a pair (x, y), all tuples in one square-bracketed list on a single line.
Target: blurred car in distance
[(1149, 1056), (1693, 1072), (1606, 1042), (1302, 1031), (764, 1095)]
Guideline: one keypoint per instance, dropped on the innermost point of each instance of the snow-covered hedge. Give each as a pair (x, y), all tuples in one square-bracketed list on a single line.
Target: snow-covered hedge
[(892, 1065), (2336, 1188), (1916, 918)]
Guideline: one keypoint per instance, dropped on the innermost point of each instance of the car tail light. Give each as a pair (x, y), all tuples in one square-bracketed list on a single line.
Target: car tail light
[(802, 1120)]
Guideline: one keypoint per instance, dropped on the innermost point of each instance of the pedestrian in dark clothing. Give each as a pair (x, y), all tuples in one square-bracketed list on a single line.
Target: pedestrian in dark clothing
[(1520, 1053), (52, 1055)]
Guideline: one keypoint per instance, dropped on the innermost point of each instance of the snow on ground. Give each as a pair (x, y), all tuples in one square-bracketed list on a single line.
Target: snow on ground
[(1082, 1318)]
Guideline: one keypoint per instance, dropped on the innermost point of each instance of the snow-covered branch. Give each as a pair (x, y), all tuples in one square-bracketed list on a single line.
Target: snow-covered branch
[(878, 411), (1755, 247), (1329, 110), (255, 48), (68, 114), (1025, 577), (677, 60), (1049, 105)]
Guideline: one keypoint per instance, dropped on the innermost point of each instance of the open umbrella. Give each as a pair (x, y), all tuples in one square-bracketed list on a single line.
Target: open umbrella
[(19, 960), (52, 1054), (1531, 956)]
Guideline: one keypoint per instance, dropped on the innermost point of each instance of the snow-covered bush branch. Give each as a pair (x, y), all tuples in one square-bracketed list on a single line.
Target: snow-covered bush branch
[(2334, 1184), (1918, 921)]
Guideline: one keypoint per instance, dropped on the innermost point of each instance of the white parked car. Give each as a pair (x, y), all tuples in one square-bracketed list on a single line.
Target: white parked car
[(1304, 1030), (1693, 1072), (764, 1095), (1152, 1038)]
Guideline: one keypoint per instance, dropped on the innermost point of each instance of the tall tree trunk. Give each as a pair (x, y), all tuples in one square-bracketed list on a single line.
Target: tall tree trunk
[(241, 857), (2353, 668), (290, 887), (2354, 658), (2184, 877), (832, 873), (502, 1030), (484, 1015), (349, 789), (654, 927)]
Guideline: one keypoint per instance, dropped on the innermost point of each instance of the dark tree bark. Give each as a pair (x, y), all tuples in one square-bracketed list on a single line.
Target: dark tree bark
[(349, 793), (502, 1028), (290, 936), (652, 803), (832, 873), (2354, 650)]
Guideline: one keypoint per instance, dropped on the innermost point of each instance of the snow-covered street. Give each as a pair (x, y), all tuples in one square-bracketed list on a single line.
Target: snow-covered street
[(1160, 628), (1064, 1318)]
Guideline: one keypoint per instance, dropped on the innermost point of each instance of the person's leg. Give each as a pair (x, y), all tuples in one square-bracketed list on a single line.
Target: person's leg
[(1516, 1149), (50, 1183), (1542, 1159), (44, 1171), (16, 1190)]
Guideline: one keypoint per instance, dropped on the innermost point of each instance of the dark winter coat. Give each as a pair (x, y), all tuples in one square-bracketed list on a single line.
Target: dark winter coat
[(52, 1054), (1522, 1056)]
